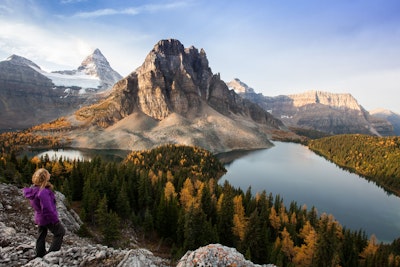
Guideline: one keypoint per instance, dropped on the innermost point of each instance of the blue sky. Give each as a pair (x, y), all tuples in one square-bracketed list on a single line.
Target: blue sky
[(275, 46)]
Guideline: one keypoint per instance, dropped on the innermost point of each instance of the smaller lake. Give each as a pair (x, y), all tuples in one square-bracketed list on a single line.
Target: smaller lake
[(297, 174), (80, 154)]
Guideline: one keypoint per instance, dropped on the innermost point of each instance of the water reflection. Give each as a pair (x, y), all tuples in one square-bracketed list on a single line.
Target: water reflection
[(115, 155), (297, 174), (64, 154)]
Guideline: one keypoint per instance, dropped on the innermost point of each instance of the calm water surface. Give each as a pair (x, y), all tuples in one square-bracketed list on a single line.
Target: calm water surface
[(81, 154), (298, 174)]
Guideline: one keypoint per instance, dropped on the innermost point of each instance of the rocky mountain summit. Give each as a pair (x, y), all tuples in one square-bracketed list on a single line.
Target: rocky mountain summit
[(323, 111), (17, 242), (30, 95), (174, 97)]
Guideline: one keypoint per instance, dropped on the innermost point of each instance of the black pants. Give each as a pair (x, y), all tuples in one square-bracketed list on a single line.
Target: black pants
[(58, 233)]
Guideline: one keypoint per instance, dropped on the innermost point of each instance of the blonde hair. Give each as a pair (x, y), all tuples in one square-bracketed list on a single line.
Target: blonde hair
[(41, 178)]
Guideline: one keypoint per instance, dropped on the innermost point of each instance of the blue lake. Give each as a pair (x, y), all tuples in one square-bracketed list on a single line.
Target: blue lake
[(297, 174)]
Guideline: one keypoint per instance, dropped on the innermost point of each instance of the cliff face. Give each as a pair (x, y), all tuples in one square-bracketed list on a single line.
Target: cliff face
[(327, 112), (175, 98), (323, 111)]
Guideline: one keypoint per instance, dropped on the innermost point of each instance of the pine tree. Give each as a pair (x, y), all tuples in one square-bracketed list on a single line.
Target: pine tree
[(122, 204), (108, 222)]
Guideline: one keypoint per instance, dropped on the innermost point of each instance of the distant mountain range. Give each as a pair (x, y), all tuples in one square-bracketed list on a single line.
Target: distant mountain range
[(173, 97), (30, 95), (326, 112), (390, 116)]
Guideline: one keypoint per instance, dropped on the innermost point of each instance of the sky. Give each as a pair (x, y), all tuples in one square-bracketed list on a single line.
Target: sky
[(277, 47)]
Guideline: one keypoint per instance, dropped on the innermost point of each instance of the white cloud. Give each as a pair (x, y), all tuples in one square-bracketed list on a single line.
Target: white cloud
[(71, 1), (130, 10), (39, 44), (97, 13)]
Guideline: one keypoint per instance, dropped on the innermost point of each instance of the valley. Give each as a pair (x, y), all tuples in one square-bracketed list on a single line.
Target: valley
[(173, 115)]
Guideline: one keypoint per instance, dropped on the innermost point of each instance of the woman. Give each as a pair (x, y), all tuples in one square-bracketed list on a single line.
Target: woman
[(43, 201)]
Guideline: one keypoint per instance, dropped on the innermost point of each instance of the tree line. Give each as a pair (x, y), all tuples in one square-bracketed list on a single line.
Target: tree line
[(172, 192), (375, 158)]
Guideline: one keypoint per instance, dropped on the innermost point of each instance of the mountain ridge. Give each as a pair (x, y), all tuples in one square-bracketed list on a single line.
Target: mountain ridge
[(392, 117), (30, 95), (332, 113)]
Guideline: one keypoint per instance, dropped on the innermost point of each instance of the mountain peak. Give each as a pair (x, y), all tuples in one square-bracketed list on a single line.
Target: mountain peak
[(240, 87), (175, 98), (21, 61), (94, 60), (97, 65), (97, 51), (169, 47)]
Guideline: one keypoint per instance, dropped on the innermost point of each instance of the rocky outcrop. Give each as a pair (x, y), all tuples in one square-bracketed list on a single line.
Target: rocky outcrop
[(322, 111), (175, 98), (218, 256), (18, 236)]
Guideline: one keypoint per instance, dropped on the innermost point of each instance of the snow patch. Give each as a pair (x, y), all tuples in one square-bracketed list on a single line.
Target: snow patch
[(79, 79)]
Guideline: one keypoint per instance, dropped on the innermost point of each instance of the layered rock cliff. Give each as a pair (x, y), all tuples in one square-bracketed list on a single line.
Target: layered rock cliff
[(175, 98), (323, 111)]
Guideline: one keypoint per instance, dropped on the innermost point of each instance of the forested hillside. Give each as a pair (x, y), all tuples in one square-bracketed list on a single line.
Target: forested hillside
[(376, 158), (170, 194)]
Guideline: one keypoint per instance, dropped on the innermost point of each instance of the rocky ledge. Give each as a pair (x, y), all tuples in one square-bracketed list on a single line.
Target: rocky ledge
[(18, 236), (216, 255)]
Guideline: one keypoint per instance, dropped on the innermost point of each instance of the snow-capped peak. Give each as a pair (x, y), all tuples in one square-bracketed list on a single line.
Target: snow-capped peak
[(94, 71), (94, 63), (18, 60), (97, 65)]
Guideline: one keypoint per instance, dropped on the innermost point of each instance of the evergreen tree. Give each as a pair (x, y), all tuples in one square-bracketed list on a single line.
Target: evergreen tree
[(108, 222), (197, 230), (123, 208)]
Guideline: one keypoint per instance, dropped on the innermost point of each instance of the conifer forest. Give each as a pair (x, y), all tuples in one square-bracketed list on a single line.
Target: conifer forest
[(171, 194)]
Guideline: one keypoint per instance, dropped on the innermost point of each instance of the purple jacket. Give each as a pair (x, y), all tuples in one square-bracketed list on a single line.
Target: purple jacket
[(43, 201)]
